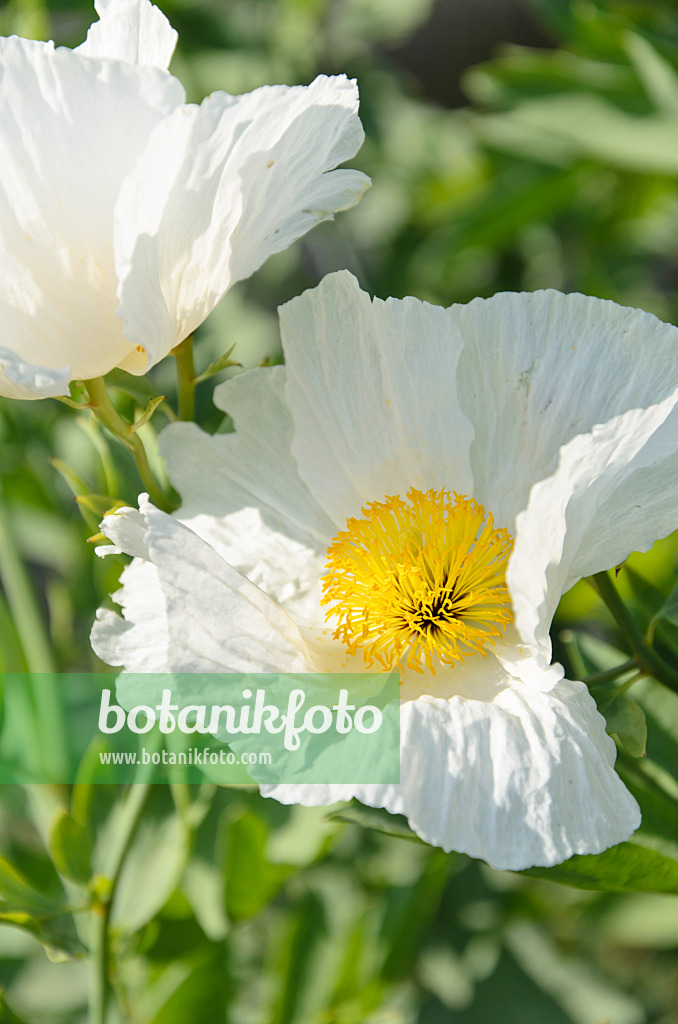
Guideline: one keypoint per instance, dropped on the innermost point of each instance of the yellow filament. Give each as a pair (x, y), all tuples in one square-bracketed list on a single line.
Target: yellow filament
[(419, 580)]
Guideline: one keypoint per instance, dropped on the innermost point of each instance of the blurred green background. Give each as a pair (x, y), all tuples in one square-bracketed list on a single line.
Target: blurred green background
[(512, 146)]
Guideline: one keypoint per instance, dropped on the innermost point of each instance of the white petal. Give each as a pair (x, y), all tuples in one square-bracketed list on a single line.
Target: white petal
[(70, 129), (218, 475), (19, 379), (539, 368), (641, 508), (126, 528), (525, 780), (562, 536), (371, 386), (243, 495), (209, 617), (131, 30), (140, 640), (220, 188)]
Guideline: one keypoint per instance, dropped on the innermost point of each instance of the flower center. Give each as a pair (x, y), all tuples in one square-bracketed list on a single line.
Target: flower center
[(417, 580)]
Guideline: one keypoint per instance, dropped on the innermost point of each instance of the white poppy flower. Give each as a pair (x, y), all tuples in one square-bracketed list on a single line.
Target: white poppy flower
[(553, 417), (125, 213)]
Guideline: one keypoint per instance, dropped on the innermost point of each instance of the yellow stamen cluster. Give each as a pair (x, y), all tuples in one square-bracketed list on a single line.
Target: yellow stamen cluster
[(419, 580)]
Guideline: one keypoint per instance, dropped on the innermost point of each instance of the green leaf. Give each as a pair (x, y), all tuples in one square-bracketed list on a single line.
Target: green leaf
[(153, 404), (99, 505), (251, 881), (626, 719), (195, 991), (49, 921), (600, 130), (522, 72), (669, 610), (17, 894), (202, 886), (70, 846), (296, 960), (647, 598), (376, 819), (659, 79), (407, 925), (153, 866), (7, 1015), (661, 712), (222, 363), (627, 867)]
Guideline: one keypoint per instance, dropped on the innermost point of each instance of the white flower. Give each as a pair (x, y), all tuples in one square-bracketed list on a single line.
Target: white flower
[(125, 213), (557, 413)]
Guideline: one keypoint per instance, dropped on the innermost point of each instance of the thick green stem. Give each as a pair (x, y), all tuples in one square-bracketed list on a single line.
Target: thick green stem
[(108, 415), (183, 354), (647, 659)]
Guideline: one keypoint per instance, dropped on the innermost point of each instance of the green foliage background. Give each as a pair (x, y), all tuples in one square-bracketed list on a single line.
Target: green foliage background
[(562, 171)]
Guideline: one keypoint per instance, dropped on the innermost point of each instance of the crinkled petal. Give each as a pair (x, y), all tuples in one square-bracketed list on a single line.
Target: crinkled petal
[(641, 508), (383, 391), (134, 31), (539, 368), (220, 188), (371, 387), (215, 620), (70, 130), (525, 780), (140, 638), (554, 546), (19, 379)]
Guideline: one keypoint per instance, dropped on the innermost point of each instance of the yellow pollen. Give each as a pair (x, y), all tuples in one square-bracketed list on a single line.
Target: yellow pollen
[(419, 580)]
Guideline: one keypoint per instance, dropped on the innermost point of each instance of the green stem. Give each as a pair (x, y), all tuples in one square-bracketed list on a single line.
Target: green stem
[(101, 989), (647, 659), (183, 353), (610, 674), (108, 415)]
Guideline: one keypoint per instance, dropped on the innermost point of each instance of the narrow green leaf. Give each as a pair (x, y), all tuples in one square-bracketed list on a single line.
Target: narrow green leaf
[(406, 929), (295, 966), (23, 604), (376, 819), (659, 79), (222, 363), (153, 404), (99, 505), (73, 479), (601, 130)]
